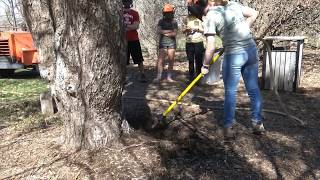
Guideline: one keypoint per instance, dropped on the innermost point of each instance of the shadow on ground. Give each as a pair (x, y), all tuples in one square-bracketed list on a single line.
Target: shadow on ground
[(194, 147)]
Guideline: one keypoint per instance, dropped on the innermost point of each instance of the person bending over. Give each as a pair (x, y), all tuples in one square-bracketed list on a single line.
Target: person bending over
[(231, 21)]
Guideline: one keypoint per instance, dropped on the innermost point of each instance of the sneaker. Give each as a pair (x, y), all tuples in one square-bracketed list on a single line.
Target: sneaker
[(169, 79), (257, 127), (157, 80), (143, 78), (228, 133)]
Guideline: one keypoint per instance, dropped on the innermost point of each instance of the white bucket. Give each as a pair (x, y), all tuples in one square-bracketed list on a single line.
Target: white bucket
[(214, 73)]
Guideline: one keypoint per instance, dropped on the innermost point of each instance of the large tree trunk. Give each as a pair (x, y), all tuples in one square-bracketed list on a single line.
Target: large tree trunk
[(82, 52)]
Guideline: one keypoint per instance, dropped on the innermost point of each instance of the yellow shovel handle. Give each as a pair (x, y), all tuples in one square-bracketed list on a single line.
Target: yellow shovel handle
[(185, 91)]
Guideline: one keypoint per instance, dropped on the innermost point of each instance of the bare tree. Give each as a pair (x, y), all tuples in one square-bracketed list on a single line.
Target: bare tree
[(12, 9), (149, 11), (277, 17), (82, 52)]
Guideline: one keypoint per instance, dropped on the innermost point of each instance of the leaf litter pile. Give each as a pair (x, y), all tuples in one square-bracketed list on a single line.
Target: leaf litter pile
[(192, 147)]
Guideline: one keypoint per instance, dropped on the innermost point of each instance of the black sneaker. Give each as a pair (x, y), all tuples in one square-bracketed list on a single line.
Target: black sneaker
[(228, 134), (143, 78)]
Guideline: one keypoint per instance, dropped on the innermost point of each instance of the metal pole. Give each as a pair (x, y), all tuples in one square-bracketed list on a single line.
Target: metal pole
[(13, 15)]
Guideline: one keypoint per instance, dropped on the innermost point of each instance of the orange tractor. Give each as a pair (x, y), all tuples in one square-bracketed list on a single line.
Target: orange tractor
[(16, 51)]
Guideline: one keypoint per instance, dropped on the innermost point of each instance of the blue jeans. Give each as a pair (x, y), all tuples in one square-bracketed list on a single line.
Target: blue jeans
[(243, 63)]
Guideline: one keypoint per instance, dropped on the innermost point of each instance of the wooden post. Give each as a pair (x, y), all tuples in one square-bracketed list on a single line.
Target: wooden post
[(46, 103), (298, 64), (265, 67)]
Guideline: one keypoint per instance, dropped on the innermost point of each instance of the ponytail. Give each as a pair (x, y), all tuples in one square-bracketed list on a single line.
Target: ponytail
[(196, 7), (222, 2)]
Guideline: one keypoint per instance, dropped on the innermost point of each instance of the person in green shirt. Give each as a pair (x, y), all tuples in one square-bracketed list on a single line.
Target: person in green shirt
[(232, 21)]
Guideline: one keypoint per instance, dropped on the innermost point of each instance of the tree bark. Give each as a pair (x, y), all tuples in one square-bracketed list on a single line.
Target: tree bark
[(276, 17), (82, 54), (150, 11)]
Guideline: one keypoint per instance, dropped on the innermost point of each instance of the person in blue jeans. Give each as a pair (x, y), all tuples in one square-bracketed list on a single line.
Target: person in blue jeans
[(231, 21)]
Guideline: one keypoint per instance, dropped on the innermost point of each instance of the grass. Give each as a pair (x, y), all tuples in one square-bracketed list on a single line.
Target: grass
[(19, 101), (21, 87)]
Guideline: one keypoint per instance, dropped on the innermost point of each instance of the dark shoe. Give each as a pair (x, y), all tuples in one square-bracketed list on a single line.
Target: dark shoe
[(157, 80), (143, 78), (126, 81), (228, 133), (257, 127), (191, 78)]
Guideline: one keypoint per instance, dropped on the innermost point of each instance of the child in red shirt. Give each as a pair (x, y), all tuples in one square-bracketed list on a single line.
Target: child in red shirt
[(131, 21)]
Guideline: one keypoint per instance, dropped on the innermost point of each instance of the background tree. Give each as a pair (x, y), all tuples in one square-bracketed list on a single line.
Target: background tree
[(277, 17), (82, 48), (149, 12), (11, 16)]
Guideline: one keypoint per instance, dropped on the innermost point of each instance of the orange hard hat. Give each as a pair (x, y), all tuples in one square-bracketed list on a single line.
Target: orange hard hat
[(168, 8)]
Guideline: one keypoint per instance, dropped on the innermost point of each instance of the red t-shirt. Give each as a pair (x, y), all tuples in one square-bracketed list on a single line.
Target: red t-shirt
[(129, 17)]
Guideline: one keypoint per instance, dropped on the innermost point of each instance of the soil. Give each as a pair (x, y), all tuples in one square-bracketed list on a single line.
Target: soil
[(192, 146)]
